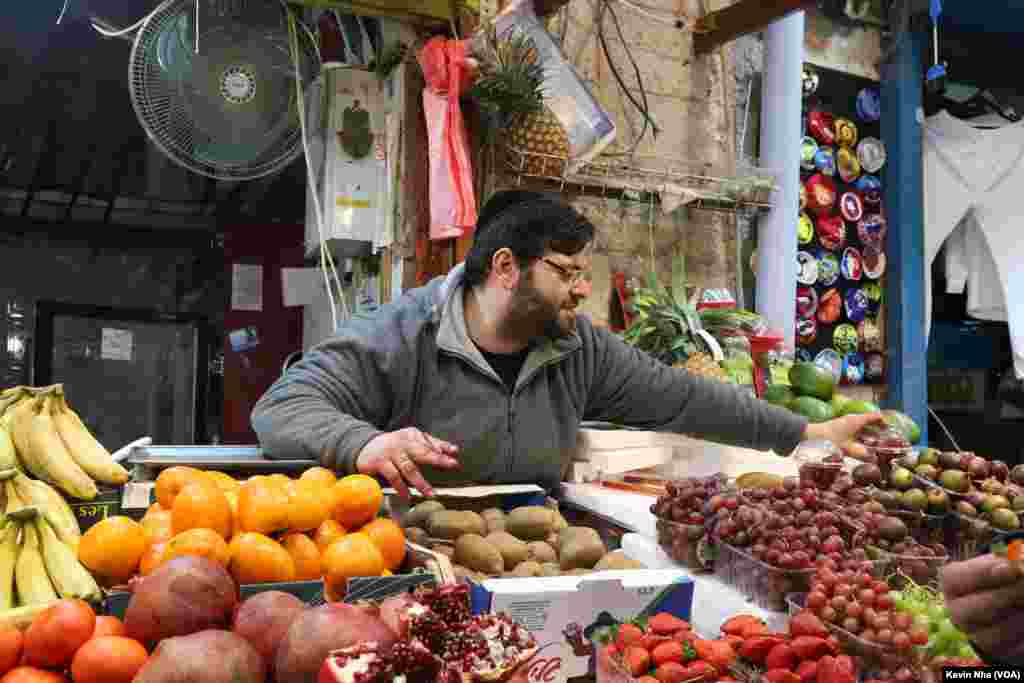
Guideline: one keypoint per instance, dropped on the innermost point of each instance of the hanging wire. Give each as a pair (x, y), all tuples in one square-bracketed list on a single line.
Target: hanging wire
[(63, 11), (942, 424), (651, 214), (120, 32), (197, 26)]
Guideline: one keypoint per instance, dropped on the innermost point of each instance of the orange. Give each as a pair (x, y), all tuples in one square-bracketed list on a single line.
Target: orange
[(153, 557), (113, 548), (224, 481), (357, 500), (232, 497), (263, 507), (108, 626), (328, 532), (57, 633), (309, 505), (279, 479), (202, 505), (108, 659), (256, 558), (202, 542), (172, 480), (158, 525), (321, 475), (389, 539), (12, 642), (30, 674), (305, 555), (155, 508), (353, 555)]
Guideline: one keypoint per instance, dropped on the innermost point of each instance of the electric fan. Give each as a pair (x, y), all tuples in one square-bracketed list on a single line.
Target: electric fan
[(213, 85)]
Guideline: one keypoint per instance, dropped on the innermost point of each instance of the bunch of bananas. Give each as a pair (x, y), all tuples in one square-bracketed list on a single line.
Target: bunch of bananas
[(41, 435)]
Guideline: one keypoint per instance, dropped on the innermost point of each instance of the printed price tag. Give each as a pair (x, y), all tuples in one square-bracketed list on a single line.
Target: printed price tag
[(137, 495)]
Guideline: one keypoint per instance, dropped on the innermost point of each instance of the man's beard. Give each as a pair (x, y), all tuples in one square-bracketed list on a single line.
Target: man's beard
[(532, 313)]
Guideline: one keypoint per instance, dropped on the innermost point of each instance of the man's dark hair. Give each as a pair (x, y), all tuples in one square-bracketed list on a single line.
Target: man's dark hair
[(529, 224)]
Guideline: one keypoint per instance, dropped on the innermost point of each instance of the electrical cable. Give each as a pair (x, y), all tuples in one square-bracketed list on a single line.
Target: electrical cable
[(643, 109), (121, 32), (63, 11)]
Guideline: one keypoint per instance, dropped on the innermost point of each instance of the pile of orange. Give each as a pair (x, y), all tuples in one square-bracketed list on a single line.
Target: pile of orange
[(69, 637), (265, 529)]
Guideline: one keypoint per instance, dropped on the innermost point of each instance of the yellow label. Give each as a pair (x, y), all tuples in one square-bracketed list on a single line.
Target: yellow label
[(348, 203)]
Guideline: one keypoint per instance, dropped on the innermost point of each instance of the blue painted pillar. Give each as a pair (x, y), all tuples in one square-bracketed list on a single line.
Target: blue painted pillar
[(902, 114)]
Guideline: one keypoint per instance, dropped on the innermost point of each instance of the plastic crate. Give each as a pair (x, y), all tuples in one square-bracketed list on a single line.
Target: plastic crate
[(687, 544), (820, 474), (609, 670), (765, 585), (869, 653)]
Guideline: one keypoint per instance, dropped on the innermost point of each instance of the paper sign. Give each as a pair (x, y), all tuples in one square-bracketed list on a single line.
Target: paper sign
[(246, 287), (116, 344), (301, 286), (137, 495)]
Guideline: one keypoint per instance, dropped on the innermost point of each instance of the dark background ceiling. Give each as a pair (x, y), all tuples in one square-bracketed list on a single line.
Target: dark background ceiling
[(70, 135)]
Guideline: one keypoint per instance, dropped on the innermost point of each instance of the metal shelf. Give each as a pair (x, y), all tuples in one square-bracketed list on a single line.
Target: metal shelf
[(675, 183)]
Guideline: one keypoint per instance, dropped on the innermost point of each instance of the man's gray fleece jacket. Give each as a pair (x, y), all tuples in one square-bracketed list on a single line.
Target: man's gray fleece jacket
[(413, 364)]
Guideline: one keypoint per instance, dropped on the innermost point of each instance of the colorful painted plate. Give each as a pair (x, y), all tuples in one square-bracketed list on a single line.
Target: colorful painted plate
[(803, 196), (828, 268), (857, 304), (830, 306), (806, 302), (850, 266), (825, 161), (870, 335), (851, 207), (831, 232), (874, 262), (845, 339), (806, 268), (874, 367), (872, 230), (853, 368), (849, 165), (808, 149), (805, 229), (821, 125), (873, 291), (803, 355), (811, 80), (830, 361), (806, 331), (846, 133), (869, 105), (868, 183), (871, 154), (821, 193)]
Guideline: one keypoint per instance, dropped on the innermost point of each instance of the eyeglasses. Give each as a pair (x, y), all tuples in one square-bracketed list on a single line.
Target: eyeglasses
[(571, 277)]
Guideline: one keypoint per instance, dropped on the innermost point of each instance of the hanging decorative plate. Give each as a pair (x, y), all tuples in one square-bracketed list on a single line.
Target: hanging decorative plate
[(869, 105), (825, 161), (870, 335), (828, 268), (821, 125), (806, 331), (830, 361), (851, 207), (808, 149), (853, 368), (856, 304), (868, 183), (845, 339), (873, 291), (821, 193), (811, 81), (874, 367), (830, 306), (849, 166), (805, 229), (803, 196), (806, 302), (831, 232), (872, 230), (806, 268), (850, 266), (871, 154), (803, 355), (846, 133), (874, 261)]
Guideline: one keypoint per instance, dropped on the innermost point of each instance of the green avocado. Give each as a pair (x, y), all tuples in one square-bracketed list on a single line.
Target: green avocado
[(812, 408), (810, 380), (857, 408), (778, 394)]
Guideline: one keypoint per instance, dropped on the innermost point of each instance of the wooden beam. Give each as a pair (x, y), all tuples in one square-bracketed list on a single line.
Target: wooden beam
[(746, 16)]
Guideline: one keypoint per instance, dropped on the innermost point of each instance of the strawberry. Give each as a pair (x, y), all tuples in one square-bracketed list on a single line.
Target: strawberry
[(781, 676), (718, 653), (807, 623), (637, 660), (735, 625), (664, 623), (831, 671), (670, 651), (755, 650), (670, 672), (807, 671), (781, 657), (833, 644), (629, 634), (647, 679), (810, 647), (651, 641), (754, 629), (735, 641), (700, 671), (846, 662)]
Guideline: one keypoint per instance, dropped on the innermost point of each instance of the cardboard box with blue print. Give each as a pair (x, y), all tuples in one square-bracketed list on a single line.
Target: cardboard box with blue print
[(572, 616)]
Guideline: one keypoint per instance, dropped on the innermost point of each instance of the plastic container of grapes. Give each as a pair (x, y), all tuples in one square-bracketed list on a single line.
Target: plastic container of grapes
[(819, 463), (765, 585), (884, 445), (687, 544), (851, 643), (924, 528)]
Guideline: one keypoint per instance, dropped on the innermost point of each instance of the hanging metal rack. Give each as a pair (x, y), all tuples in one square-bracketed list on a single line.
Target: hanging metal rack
[(675, 183)]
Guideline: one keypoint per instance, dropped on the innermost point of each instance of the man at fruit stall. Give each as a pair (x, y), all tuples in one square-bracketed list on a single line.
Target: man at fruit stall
[(484, 375)]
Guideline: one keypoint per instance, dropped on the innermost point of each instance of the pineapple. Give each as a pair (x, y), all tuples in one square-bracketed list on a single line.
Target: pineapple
[(702, 364), (509, 88)]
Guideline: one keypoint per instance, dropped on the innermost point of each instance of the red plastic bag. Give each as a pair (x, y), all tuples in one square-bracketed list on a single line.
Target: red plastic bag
[(453, 210)]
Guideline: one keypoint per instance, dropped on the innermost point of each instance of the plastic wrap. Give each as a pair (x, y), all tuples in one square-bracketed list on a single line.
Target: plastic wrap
[(453, 208), (589, 127)]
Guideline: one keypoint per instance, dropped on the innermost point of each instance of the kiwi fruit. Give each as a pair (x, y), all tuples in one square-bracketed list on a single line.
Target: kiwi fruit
[(527, 568), (418, 515), (474, 552), (539, 551), (530, 523), (452, 524), (494, 518), (581, 550), (550, 569), (617, 561), (512, 550)]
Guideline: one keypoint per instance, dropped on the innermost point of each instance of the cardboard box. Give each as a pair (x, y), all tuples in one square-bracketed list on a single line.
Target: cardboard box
[(570, 615)]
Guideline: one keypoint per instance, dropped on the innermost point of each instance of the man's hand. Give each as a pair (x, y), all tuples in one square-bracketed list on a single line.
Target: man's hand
[(843, 431), (396, 456), (985, 599)]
